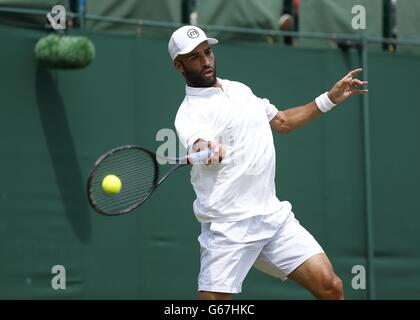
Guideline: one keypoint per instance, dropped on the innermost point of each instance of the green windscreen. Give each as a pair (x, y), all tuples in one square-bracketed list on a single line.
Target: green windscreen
[(408, 24), (240, 13), (336, 17)]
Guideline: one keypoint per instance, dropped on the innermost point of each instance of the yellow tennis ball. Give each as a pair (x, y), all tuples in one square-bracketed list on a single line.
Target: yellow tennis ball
[(111, 184)]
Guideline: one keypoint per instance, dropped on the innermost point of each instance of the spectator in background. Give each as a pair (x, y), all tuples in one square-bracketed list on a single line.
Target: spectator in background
[(289, 19), (390, 25), (394, 18), (394, 31)]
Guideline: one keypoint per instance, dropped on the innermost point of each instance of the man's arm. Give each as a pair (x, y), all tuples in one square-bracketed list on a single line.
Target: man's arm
[(290, 119), (293, 118)]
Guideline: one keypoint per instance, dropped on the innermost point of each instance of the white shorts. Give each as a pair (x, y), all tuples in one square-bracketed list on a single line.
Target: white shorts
[(277, 245)]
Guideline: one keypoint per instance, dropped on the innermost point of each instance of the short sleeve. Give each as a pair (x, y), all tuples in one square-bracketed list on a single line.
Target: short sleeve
[(192, 125), (270, 109)]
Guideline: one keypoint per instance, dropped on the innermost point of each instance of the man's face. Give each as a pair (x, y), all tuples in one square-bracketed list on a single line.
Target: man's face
[(198, 67)]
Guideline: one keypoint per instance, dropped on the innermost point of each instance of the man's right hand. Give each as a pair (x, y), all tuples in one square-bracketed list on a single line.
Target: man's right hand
[(217, 151)]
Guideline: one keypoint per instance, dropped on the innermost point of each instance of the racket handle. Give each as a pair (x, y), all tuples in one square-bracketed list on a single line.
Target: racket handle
[(198, 157)]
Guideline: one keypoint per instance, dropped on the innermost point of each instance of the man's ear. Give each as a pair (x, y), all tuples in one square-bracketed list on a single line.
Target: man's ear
[(179, 66)]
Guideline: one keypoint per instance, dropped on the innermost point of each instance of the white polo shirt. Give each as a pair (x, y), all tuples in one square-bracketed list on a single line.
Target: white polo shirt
[(242, 185)]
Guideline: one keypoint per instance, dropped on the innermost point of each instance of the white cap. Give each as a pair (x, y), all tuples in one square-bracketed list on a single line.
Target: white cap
[(185, 39)]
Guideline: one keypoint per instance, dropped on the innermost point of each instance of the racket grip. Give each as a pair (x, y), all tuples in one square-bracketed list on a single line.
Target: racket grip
[(198, 157)]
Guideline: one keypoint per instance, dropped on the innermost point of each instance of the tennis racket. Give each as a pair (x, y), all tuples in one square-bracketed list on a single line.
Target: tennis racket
[(137, 169)]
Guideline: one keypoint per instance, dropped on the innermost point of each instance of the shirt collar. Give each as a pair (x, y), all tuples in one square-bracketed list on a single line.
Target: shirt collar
[(205, 91)]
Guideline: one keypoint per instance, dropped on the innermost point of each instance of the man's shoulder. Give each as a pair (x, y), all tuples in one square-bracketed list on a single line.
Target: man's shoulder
[(183, 105), (237, 85), (186, 102), (187, 106)]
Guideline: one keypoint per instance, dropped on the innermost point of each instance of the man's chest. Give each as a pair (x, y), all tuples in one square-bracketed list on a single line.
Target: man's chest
[(235, 114)]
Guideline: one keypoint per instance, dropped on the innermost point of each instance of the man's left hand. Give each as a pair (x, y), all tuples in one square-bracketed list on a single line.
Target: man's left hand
[(345, 87)]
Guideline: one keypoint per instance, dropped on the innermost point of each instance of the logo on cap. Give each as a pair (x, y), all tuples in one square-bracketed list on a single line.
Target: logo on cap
[(193, 33)]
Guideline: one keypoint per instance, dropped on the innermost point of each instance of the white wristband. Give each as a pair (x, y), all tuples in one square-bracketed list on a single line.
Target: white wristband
[(324, 103)]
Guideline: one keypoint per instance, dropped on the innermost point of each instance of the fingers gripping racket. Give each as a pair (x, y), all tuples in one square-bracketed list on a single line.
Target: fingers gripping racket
[(124, 177)]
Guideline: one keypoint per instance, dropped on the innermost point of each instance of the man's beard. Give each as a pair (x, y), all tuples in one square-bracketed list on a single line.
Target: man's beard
[(196, 79)]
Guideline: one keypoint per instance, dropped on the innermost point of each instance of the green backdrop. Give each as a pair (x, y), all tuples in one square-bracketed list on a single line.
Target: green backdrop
[(54, 124), (336, 17), (408, 23)]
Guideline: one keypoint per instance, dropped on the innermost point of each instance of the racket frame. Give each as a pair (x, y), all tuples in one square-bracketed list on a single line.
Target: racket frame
[(156, 180), (180, 162)]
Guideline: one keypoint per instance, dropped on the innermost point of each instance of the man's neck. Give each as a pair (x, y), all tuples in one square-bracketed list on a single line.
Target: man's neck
[(217, 84)]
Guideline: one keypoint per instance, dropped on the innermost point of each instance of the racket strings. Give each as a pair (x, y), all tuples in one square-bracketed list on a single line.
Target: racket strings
[(137, 171)]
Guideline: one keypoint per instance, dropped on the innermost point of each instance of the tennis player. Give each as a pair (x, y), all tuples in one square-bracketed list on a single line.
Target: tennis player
[(243, 223)]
